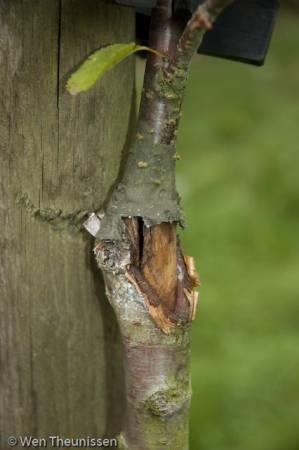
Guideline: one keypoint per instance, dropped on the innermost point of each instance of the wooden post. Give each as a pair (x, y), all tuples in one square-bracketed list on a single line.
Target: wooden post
[(60, 364)]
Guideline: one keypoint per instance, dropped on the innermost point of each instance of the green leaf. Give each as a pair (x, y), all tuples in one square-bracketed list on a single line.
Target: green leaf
[(99, 63)]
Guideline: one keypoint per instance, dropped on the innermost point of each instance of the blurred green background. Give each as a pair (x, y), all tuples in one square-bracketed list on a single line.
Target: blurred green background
[(239, 181)]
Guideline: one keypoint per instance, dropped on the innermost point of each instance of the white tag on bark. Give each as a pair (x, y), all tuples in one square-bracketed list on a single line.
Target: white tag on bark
[(92, 224)]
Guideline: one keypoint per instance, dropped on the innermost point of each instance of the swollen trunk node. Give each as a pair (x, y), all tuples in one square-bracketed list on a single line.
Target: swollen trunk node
[(156, 361)]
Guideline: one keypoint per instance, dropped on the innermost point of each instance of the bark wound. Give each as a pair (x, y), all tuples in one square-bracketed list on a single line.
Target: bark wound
[(160, 271)]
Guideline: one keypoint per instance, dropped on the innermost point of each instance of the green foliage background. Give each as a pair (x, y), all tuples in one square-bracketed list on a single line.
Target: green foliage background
[(239, 181)]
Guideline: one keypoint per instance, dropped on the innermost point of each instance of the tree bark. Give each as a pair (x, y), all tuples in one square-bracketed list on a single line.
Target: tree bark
[(59, 156), (149, 281), (144, 269)]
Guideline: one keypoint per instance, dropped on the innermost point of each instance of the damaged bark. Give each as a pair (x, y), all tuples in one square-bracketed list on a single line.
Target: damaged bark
[(149, 281)]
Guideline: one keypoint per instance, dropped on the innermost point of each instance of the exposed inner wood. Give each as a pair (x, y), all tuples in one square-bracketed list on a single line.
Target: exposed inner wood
[(161, 272), (159, 262)]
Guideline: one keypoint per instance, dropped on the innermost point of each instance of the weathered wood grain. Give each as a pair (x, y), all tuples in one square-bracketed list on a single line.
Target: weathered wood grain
[(60, 370)]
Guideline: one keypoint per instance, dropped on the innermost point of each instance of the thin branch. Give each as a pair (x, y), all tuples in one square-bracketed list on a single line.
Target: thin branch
[(201, 21), (165, 31)]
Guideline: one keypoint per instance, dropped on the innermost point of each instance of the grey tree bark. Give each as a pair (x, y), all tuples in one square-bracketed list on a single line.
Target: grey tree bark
[(59, 156), (149, 281)]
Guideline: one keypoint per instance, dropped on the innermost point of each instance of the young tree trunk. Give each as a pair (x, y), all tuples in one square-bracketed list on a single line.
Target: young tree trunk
[(59, 343), (149, 281)]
